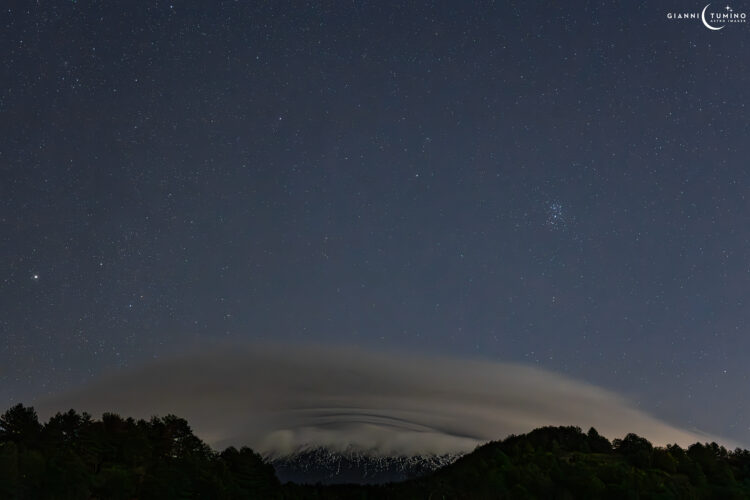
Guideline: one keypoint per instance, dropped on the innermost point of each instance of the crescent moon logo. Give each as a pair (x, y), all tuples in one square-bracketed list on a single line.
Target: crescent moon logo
[(705, 23)]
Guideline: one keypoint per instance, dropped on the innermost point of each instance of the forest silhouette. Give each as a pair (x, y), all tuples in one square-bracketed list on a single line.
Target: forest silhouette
[(74, 456)]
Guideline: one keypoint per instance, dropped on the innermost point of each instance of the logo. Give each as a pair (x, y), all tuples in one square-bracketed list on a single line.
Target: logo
[(714, 20)]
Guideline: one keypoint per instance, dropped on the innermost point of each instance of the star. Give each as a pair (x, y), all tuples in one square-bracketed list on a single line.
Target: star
[(35, 277)]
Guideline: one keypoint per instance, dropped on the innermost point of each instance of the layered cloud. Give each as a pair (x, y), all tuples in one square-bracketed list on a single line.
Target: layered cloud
[(277, 399)]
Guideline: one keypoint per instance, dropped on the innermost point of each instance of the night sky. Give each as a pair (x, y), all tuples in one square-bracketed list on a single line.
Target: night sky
[(561, 186)]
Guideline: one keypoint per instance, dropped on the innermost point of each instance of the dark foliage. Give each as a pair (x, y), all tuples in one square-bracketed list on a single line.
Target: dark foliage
[(73, 456)]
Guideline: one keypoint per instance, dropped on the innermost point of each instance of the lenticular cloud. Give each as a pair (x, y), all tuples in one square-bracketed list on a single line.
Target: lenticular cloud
[(280, 399)]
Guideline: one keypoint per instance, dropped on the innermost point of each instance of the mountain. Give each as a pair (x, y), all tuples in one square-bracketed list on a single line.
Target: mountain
[(566, 463), (325, 466)]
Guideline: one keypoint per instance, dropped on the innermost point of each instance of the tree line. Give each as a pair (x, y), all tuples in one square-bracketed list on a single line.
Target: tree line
[(74, 456)]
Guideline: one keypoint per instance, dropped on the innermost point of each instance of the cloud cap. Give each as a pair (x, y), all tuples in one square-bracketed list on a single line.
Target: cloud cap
[(281, 398)]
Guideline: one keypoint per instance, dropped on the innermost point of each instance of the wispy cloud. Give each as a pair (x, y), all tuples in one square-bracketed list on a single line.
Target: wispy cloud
[(276, 399)]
